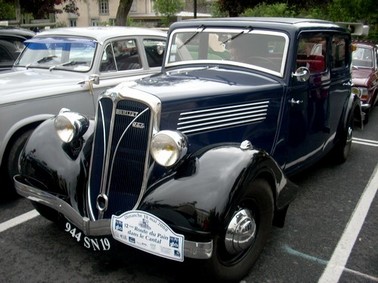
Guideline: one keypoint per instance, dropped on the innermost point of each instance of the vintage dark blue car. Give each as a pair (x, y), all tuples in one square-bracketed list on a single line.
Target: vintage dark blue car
[(194, 162)]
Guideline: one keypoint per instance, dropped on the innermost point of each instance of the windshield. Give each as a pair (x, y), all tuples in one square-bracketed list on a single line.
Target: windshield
[(68, 53), (362, 57), (257, 49)]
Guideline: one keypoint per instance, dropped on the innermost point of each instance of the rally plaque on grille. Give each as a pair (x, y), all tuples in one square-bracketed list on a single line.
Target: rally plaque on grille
[(147, 232)]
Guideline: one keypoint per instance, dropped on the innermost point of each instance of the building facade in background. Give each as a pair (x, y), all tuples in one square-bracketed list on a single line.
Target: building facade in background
[(103, 12)]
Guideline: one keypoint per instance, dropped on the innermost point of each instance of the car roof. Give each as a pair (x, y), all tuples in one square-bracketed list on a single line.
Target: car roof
[(12, 31), (101, 33), (280, 23), (367, 44)]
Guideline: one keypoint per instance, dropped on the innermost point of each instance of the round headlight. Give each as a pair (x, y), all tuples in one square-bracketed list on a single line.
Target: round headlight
[(356, 91), (168, 147), (70, 125)]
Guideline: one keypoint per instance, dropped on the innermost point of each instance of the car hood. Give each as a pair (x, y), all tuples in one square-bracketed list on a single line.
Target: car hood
[(361, 73), (25, 83), (197, 82)]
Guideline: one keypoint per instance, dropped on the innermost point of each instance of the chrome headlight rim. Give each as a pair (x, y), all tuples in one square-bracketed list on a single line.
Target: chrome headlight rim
[(70, 126), (168, 147)]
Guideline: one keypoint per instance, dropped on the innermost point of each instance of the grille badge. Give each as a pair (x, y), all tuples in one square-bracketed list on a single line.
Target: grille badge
[(126, 113)]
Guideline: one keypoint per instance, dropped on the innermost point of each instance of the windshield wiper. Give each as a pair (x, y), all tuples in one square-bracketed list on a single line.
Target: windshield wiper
[(68, 63), (42, 60), (237, 35), (193, 36), (46, 59)]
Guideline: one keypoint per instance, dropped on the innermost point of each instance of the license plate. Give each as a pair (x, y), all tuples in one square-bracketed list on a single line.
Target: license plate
[(92, 243), (148, 233)]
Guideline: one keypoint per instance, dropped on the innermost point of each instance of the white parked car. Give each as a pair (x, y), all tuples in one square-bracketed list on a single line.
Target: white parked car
[(69, 67)]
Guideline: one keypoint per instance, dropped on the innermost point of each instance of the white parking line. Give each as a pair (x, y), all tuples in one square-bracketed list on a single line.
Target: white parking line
[(291, 251), (18, 220), (365, 142), (344, 247)]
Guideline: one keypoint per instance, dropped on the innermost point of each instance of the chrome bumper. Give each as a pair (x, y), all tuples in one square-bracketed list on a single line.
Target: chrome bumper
[(198, 250)]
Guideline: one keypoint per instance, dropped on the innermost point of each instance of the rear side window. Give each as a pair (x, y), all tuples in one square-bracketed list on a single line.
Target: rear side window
[(154, 51), (339, 52), (312, 50)]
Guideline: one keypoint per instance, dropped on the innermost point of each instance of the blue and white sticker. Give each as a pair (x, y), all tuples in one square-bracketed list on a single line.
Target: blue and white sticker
[(145, 231)]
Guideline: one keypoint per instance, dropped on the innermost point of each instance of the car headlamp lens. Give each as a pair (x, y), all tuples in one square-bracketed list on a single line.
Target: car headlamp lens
[(70, 125), (356, 91), (168, 147)]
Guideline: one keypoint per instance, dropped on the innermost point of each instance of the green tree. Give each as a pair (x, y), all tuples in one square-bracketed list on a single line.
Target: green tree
[(270, 10), (7, 11), (168, 8), (41, 9)]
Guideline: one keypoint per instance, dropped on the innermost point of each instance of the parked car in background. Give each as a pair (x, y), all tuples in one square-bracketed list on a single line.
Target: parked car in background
[(194, 162), (11, 45), (69, 67), (365, 75)]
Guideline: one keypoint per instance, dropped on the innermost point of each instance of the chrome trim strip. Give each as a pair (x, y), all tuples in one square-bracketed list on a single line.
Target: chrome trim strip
[(227, 109), (198, 250), (214, 118)]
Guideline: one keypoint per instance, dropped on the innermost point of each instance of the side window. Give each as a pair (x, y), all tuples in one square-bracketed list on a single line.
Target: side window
[(339, 52), (5, 56), (107, 60), (126, 55), (154, 49), (121, 55), (312, 53)]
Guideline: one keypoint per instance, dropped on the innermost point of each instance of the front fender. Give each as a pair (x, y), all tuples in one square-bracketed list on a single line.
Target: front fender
[(29, 122), (197, 203), (54, 166)]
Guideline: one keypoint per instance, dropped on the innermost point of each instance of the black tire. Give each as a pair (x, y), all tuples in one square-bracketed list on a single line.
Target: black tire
[(224, 266), (342, 148), (13, 155), (48, 213)]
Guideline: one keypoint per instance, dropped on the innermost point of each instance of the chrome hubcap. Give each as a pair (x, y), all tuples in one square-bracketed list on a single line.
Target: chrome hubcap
[(349, 134), (240, 232)]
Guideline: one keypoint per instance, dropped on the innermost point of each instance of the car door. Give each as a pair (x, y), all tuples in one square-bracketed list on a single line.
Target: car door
[(308, 102)]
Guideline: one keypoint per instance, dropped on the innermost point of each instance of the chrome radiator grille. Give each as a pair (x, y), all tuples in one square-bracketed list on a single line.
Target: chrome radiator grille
[(120, 156)]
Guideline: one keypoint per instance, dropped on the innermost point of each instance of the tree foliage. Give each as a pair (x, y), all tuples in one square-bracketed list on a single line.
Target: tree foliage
[(41, 9), (168, 8), (272, 10), (236, 8), (7, 11)]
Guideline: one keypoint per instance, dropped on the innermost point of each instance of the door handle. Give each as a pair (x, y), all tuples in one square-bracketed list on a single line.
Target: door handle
[(292, 101)]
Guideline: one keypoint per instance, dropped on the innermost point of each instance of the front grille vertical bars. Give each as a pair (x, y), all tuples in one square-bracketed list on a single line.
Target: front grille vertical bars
[(120, 155)]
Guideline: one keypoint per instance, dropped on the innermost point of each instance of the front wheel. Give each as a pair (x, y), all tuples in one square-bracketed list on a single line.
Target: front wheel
[(12, 161), (237, 249), (48, 213)]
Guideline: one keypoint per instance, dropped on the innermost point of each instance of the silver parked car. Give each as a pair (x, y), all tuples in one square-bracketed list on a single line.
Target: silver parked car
[(68, 67)]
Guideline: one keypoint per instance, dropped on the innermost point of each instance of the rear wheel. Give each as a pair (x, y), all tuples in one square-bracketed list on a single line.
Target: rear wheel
[(238, 248), (342, 148)]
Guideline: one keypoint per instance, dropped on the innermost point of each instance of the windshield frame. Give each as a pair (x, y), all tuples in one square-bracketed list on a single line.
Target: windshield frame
[(239, 32), (59, 58)]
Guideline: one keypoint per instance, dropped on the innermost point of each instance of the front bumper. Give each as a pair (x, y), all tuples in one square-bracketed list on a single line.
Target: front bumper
[(198, 250)]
